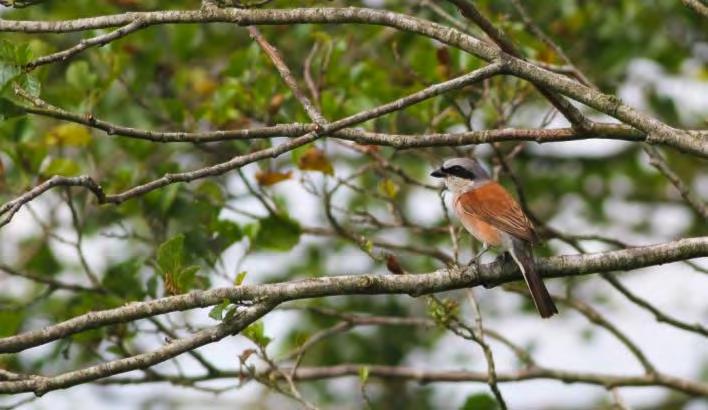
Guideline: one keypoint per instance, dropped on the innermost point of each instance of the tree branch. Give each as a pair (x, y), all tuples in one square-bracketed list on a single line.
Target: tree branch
[(489, 275), (599, 131), (693, 200), (99, 41), (657, 131), (576, 118), (11, 208), (697, 6), (424, 376), (41, 384), (238, 161)]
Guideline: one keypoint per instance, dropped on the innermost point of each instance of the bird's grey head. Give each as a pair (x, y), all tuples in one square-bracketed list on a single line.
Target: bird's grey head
[(461, 173)]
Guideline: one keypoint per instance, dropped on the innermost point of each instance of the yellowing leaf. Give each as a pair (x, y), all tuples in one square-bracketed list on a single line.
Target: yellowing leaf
[(68, 134), (314, 159), (268, 178), (388, 188), (60, 166), (201, 83), (547, 55)]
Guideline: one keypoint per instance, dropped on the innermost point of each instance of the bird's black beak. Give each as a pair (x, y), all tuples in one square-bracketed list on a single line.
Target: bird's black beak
[(438, 173)]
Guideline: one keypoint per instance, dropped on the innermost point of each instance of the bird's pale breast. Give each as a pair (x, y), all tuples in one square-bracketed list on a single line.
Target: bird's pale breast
[(481, 230)]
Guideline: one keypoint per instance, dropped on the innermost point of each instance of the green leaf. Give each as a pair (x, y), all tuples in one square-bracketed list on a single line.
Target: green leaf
[(230, 312), (8, 73), (9, 109), (228, 232), (30, 84), (187, 278), (168, 197), (217, 312), (68, 134), (368, 246), (10, 322), (151, 286), (124, 279), (12, 57), (61, 166), (363, 374), (277, 233), (251, 230), (116, 350), (239, 278), (256, 332), (170, 254), (14, 53), (480, 401), (212, 191), (79, 76)]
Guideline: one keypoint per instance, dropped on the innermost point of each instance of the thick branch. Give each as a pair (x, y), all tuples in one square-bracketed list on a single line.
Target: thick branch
[(599, 131), (658, 131), (491, 274), (697, 6)]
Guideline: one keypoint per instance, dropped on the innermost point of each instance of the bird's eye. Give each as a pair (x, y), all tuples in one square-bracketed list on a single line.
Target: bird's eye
[(460, 171)]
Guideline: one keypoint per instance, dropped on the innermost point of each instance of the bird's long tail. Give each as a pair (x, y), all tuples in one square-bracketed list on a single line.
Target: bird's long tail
[(522, 254)]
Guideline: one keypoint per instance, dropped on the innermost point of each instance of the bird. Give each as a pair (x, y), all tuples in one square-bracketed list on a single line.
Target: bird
[(490, 214)]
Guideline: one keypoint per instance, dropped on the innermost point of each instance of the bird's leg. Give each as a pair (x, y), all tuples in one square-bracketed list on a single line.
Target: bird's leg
[(507, 257), (476, 258)]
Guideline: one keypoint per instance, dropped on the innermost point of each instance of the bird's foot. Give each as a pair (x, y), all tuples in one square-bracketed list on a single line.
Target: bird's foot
[(504, 258), (478, 256)]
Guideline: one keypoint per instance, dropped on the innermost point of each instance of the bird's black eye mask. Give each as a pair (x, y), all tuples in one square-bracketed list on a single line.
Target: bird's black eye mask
[(459, 171)]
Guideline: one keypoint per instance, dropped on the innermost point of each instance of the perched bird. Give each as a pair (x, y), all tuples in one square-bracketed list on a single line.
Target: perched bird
[(492, 216)]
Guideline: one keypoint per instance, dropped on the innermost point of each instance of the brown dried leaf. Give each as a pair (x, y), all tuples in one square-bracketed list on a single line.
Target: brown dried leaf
[(314, 159), (443, 67), (393, 266), (275, 103), (370, 149), (268, 178)]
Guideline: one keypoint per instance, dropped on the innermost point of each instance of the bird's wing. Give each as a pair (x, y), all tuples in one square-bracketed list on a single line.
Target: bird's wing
[(492, 204)]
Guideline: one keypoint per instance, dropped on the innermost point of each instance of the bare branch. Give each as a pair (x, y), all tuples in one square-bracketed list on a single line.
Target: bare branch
[(98, 41), (536, 30), (658, 314), (658, 161), (287, 76), (424, 376), (41, 384), (11, 208), (467, 8), (47, 280)]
